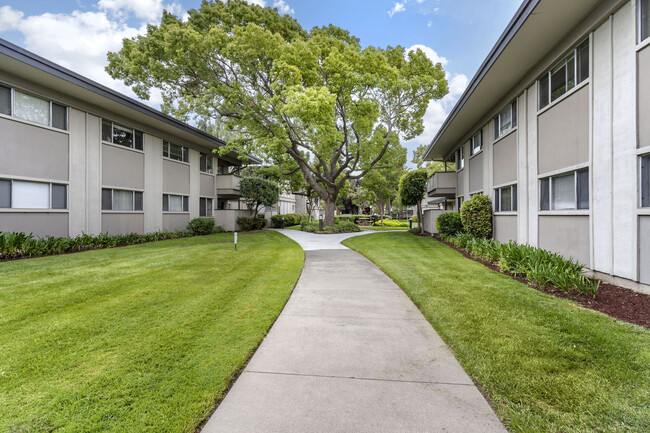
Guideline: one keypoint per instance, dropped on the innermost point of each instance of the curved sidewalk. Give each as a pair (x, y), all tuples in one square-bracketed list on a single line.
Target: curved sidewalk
[(351, 353)]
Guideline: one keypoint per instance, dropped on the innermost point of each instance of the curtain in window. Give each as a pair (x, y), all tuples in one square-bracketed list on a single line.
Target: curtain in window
[(30, 195), (28, 107), (175, 203), (122, 200), (564, 192)]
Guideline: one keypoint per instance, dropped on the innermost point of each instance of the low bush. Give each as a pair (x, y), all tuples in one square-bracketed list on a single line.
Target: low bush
[(476, 215), (353, 218), (339, 227), (247, 224), (544, 268), (203, 226), (16, 245), (291, 219), (391, 223), (449, 224)]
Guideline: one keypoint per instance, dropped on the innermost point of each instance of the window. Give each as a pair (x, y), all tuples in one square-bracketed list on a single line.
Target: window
[(176, 203), (645, 180), (460, 157), (205, 207), (505, 120), (121, 200), (32, 108), (505, 199), (206, 163), (459, 201), (644, 20), (476, 143), (17, 194), (176, 152), (568, 73), (122, 135), (568, 191)]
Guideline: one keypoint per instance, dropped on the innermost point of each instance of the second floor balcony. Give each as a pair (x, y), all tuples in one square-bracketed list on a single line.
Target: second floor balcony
[(442, 184), (228, 185)]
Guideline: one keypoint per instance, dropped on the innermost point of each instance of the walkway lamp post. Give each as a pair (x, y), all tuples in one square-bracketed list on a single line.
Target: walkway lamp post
[(320, 223)]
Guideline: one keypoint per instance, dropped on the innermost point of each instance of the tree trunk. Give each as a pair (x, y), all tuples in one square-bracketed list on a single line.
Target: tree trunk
[(420, 225), (330, 207)]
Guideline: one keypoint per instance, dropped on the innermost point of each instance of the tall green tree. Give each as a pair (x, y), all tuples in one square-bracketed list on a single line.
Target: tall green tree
[(412, 189), (257, 192), (380, 185), (315, 100), (430, 166)]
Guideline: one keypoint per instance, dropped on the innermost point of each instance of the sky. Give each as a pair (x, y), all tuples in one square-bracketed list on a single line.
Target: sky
[(77, 34)]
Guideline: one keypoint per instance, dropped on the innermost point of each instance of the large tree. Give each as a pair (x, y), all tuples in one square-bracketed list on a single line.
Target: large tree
[(380, 185), (316, 100)]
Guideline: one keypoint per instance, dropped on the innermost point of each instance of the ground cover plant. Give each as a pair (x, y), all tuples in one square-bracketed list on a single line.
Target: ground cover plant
[(143, 338), (544, 268), (547, 364), (339, 227)]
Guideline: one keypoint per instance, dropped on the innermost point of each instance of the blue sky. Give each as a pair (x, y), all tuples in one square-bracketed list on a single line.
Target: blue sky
[(459, 33)]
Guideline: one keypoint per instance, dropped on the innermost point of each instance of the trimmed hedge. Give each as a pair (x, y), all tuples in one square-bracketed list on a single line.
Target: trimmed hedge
[(247, 224), (449, 224), (353, 218), (476, 215), (391, 223), (203, 226), (544, 268), (291, 219), (339, 227), (16, 245)]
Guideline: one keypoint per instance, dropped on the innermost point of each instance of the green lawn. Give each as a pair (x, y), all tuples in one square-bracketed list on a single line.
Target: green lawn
[(136, 339), (548, 364)]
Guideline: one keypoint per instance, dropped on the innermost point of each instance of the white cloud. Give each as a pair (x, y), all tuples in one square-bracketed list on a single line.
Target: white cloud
[(150, 10), (398, 7), (9, 18), (257, 2), (283, 7), (430, 23), (430, 53)]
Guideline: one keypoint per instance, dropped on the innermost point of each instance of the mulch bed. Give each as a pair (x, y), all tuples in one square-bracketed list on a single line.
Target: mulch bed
[(615, 301)]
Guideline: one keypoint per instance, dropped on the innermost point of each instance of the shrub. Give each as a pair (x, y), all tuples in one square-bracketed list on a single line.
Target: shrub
[(391, 223), (339, 227), (201, 226), (291, 219), (449, 224), (247, 224), (476, 216)]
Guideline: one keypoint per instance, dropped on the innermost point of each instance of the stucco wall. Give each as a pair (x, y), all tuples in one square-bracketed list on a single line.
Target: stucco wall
[(207, 185), (643, 101), (567, 235), (176, 177), (505, 228), (40, 224), (644, 249), (122, 223), (563, 133), (505, 160), (460, 181), (122, 168), (175, 221), (32, 151), (476, 173)]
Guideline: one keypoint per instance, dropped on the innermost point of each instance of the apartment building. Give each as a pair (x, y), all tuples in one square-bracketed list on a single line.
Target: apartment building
[(555, 127), (77, 157)]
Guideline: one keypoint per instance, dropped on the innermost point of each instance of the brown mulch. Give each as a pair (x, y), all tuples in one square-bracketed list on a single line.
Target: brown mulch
[(615, 301)]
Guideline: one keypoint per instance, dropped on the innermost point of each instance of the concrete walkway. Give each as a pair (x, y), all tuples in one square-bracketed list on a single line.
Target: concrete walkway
[(351, 353)]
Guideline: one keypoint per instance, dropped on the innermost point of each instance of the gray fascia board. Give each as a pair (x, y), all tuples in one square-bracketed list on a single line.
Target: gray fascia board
[(40, 63), (511, 30)]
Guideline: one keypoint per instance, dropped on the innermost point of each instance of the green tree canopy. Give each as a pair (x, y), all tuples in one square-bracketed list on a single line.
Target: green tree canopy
[(314, 101), (412, 190), (257, 192), (430, 166), (380, 184)]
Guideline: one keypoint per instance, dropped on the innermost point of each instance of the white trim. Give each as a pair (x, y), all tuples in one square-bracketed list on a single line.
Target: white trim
[(568, 212), (17, 210), (565, 170), (166, 158), (119, 146), (503, 185), (566, 94), (121, 188), (506, 134), (39, 125), (643, 151), (641, 45), (508, 213), (33, 179), (477, 153), (126, 212)]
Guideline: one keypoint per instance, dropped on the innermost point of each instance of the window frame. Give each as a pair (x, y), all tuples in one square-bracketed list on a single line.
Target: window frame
[(134, 133), (576, 53), (644, 204), (576, 191), (459, 201), (498, 132), (460, 156), (209, 210), (641, 9), (513, 198), (51, 103), (472, 143), (209, 159), (185, 152), (50, 186), (185, 203), (133, 200)]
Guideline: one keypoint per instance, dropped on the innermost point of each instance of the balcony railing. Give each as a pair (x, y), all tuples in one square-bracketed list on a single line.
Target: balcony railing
[(227, 185), (442, 184)]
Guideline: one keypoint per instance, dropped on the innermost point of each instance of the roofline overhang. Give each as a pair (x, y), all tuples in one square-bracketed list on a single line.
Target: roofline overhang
[(520, 17), (27, 57)]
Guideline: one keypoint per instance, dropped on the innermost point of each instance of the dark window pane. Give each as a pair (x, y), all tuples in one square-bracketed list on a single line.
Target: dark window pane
[(505, 199), (107, 199), (186, 154), (186, 204), (166, 149), (645, 181), (544, 194), (514, 114), (59, 196), (645, 19), (570, 73), (5, 100), (139, 140), (558, 81), (496, 127), (138, 201), (5, 193), (543, 91), (514, 198), (122, 135), (175, 152), (165, 203), (583, 188), (107, 130), (208, 207), (202, 207), (583, 61), (59, 116), (203, 163), (497, 200)]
